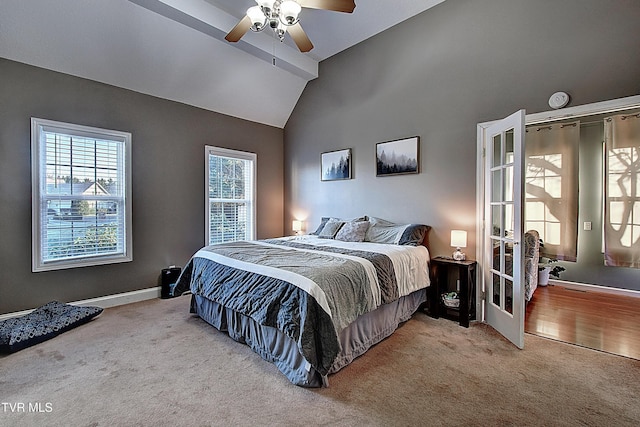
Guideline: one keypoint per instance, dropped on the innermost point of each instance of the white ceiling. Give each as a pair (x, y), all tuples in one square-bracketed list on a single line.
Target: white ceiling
[(175, 49)]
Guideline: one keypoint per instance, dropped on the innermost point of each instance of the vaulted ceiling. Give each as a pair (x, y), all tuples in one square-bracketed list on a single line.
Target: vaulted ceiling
[(175, 49)]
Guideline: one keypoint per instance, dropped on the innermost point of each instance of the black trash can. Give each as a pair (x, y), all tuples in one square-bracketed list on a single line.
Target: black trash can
[(168, 279)]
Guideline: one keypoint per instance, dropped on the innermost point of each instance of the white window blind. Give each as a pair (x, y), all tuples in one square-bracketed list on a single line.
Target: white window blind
[(81, 205), (230, 195)]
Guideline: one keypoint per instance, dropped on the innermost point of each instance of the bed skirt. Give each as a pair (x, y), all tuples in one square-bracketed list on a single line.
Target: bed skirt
[(279, 349)]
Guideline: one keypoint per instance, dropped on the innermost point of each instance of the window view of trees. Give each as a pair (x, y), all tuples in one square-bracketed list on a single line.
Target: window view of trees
[(230, 182), (89, 240), (80, 195), (228, 222), (77, 227), (81, 227)]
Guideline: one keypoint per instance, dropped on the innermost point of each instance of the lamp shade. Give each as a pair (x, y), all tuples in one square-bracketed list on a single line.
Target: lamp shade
[(266, 3), (289, 11), (459, 238), (297, 225), (257, 17)]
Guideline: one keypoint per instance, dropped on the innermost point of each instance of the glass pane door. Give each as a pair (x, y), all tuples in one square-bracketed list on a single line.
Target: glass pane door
[(504, 298)]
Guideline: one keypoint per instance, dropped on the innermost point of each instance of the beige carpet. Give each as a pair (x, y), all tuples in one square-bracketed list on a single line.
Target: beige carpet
[(153, 364)]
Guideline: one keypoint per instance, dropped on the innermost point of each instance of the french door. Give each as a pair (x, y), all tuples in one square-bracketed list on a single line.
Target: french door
[(502, 263)]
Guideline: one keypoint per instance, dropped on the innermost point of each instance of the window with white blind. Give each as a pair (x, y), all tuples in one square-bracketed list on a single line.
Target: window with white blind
[(81, 195), (230, 195)]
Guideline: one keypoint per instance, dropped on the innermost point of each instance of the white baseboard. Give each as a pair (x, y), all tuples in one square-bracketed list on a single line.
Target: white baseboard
[(595, 288), (121, 299), (106, 301)]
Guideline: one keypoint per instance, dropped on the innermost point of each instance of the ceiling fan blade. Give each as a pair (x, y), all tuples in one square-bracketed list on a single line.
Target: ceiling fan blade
[(346, 6), (300, 38), (239, 30)]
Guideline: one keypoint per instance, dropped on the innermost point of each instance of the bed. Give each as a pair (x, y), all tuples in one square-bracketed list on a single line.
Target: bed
[(312, 304)]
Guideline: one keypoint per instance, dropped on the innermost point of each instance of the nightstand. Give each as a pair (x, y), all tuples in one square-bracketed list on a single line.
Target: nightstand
[(450, 275)]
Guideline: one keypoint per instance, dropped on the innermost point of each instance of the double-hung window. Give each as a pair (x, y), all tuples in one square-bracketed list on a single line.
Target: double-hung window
[(230, 195), (81, 195)]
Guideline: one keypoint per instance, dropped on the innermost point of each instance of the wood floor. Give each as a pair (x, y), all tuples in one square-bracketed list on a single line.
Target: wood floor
[(591, 319)]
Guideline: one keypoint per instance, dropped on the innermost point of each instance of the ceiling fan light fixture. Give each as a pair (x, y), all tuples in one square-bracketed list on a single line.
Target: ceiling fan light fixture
[(281, 30), (283, 16), (266, 5), (289, 12), (258, 20)]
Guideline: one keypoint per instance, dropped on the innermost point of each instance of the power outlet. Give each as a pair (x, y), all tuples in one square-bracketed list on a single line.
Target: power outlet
[(587, 226)]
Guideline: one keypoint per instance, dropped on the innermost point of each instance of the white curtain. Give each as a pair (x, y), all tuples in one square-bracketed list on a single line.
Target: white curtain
[(622, 191), (551, 187)]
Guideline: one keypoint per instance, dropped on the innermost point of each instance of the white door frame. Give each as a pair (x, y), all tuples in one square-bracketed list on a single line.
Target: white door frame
[(603, 107)]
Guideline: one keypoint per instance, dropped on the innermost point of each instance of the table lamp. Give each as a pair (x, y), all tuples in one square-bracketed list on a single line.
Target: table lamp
[(297, 226), (459, 240)]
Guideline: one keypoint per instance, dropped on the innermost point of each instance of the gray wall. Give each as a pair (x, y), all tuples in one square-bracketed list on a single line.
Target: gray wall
[(168, 180), (437, 75)]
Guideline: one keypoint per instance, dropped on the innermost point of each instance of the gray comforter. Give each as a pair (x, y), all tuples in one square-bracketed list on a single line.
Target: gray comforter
[(309, 293)]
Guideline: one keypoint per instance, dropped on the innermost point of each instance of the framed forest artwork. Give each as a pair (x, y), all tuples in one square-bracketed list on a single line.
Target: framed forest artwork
[(398, 157), (336, 165)]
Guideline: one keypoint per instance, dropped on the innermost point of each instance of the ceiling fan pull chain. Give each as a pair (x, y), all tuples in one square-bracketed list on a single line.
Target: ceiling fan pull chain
[(273, 58)]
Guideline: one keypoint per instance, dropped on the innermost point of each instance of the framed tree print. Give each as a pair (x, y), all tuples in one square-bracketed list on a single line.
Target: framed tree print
[(398, 157), (336, 165)]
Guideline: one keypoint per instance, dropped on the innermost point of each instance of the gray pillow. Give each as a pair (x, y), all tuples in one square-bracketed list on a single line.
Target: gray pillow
[(383, 231), (323, 222), (414, 234), (330, 229), (325, 219), (353, 231)]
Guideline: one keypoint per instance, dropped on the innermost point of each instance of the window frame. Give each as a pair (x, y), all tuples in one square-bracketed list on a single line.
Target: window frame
[(38, 182), (237, 155)]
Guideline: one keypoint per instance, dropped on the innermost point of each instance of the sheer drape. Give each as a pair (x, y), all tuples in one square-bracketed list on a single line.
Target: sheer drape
[(551, 187), (622, 191)]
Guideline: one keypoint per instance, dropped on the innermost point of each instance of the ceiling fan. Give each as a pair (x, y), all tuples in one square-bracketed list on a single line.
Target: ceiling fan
[(283, 16)]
